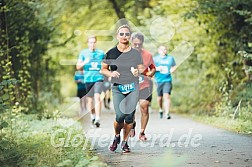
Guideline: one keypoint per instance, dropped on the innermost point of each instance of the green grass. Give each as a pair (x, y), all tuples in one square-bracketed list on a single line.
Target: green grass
[(30, 143), (237, 125)]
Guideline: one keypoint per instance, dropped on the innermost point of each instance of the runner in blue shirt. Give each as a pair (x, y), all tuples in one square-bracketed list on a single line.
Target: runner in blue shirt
[(90, 62), (165, 66)]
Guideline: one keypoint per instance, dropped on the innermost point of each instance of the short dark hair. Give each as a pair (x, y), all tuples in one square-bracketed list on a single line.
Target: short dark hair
[(137, 35), (123, 26)]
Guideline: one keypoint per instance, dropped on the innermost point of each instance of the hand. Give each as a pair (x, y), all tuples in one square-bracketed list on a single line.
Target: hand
[(78, 81), (86, 61), (149, 74), (134, 71), (115, 74)]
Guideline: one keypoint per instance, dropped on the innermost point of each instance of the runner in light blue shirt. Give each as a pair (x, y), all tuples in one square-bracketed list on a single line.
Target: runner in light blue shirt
[(165, 66), (90, 62)]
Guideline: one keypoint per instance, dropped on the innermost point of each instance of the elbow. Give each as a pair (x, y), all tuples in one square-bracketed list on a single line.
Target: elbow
[(78, 67)]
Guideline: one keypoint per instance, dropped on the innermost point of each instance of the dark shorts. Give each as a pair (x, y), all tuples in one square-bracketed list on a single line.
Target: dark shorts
[(164, 87), (145, 94), (92, 88), (81, 93)]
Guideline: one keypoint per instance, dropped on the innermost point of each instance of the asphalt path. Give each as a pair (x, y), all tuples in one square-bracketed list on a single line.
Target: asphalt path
[(176, 142)]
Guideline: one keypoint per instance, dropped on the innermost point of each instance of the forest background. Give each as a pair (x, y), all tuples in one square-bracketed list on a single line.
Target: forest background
[(41, 39)]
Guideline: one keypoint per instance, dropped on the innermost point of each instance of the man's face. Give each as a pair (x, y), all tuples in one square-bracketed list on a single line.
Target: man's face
[(137, 44), (123, 35), (162, 50), (91, 43)]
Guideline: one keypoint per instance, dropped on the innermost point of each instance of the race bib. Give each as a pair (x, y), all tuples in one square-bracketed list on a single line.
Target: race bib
[(94, 66), (141, 78), (127, 88), (164, 70)]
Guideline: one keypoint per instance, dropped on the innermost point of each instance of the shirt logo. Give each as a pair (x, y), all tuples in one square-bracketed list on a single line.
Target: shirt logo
[(94, 66)]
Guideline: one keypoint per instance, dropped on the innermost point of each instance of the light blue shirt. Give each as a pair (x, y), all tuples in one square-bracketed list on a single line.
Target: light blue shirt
[(93, 67), (165, 62)]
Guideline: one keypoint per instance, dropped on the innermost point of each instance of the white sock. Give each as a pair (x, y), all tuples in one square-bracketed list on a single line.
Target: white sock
[(92, 116), (97, 118), (160, 110)]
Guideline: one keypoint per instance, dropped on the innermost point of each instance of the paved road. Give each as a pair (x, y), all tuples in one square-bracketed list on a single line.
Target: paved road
[(177, 142)]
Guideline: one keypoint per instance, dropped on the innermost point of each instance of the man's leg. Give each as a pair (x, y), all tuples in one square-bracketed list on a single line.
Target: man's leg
[(83, 105), (160, 105), (97, 100), (160, 98), (90, 100), (90, 108), (144, 107), (167, 100), (167, 104)]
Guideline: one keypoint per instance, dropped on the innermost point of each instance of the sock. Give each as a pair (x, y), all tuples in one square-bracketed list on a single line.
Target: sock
[(92, 116), (97, 118)]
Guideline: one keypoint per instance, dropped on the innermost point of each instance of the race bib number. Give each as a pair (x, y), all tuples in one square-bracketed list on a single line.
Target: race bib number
[(141, 79), (127, 88)]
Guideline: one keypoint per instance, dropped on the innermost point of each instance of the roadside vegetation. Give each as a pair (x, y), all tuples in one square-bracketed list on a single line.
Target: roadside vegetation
[(40, 41)]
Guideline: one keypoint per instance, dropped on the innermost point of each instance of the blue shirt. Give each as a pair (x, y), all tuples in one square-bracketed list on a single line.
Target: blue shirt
[(79, 76), (93, 67), (165, 62)]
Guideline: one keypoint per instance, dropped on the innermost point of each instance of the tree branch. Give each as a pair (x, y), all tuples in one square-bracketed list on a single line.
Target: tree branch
[(117, 9)]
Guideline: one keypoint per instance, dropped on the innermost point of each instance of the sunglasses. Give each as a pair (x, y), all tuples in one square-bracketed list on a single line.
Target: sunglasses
[(126, 34)]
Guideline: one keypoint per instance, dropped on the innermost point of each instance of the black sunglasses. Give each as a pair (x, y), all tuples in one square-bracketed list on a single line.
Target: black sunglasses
[(126, 34)]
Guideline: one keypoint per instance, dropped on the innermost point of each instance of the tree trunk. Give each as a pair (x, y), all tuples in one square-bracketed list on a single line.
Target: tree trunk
[(3, 31), (117, 9)]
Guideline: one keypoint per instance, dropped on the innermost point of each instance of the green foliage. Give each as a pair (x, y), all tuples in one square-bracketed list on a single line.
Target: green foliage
[(24, 43), (33, 144), (215, 67), (242, 124), (35, 36)]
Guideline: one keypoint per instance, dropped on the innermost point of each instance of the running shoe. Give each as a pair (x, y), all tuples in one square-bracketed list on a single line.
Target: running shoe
[(97, 123), (93, 121), (168, 116), (116, 141), (161, 114), (125, 147)]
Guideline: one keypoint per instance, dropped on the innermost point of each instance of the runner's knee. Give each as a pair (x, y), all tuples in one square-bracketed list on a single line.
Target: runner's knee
[(120, 118), (129, 119)]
